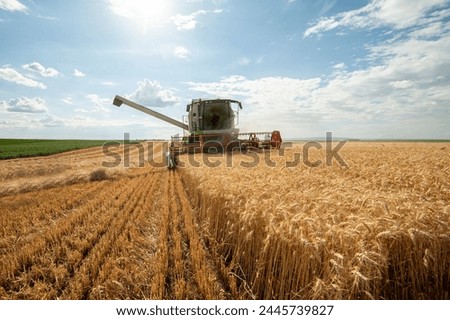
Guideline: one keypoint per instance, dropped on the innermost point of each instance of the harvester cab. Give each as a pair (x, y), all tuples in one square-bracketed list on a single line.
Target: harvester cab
[(211, 127), (211, 116)]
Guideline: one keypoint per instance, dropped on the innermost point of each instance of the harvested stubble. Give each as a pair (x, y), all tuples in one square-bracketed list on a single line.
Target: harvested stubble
[(132, 235), (378, 229), (62, 257), (29, 174)]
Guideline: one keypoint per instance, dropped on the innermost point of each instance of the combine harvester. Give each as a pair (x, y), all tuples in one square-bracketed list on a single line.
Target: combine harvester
[(209, 126)]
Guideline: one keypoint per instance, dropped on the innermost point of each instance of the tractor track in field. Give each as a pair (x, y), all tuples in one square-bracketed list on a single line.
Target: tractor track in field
[(184, 276), (190, 273)]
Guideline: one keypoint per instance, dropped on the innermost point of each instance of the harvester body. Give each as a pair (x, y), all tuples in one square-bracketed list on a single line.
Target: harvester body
[(210, 126)]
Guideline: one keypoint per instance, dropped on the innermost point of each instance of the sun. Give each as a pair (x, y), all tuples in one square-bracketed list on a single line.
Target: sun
[(147, 14)]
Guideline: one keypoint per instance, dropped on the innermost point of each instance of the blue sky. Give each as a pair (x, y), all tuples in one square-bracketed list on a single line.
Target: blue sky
[(361, 69)]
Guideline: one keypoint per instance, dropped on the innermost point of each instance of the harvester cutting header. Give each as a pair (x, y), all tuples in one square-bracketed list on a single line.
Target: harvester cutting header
[(209, 126)]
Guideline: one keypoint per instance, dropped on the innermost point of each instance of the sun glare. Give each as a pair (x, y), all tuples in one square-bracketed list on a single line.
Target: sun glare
[(146, 14)]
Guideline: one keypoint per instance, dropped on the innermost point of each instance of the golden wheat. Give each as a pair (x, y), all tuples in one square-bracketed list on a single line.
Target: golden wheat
[(379, 228)]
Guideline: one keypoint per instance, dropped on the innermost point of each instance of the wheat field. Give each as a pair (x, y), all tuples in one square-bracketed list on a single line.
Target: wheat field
[(378, 228)]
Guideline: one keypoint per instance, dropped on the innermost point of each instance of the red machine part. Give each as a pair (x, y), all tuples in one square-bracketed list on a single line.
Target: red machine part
[(275, 139)]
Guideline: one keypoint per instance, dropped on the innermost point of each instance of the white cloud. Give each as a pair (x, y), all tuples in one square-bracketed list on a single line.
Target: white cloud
[(181, 52), (401, 84), (51, 121), (152, 94), (398, 14), (99, 103), (339, 66), (407, 87), (27, 105), (12, 5), (44, 72), (433, 29), (325, 24), (268, 89), (67, 100), (268, 102), (189, 22), (186, 22), (410, 81), (78, 73), (403, 13), (11, 75), (3, 105)]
